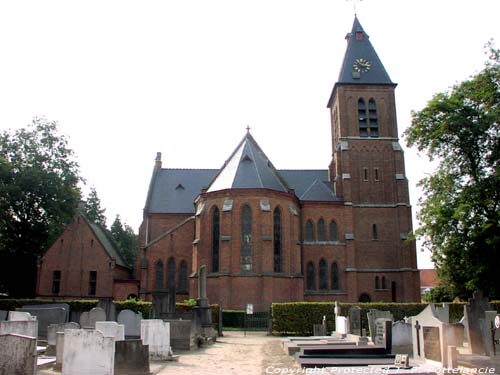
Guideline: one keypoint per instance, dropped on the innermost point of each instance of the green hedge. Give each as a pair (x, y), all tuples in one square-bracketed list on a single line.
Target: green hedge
[(137, 306), (297, 318), (74, 305), (233, 318)]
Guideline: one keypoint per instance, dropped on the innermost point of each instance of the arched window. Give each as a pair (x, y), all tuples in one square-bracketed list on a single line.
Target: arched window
[(246, 238), (372, 114), (384, 286), (323, 283), (375, 232), (310, 277), (365, 297), (171, 273), (335, 277), (215, 239), (309, 230), (56, 282), (277, 239), (333, 231), (362, 120), (377, 282), (183, 277), (321, 230), (159, 274)]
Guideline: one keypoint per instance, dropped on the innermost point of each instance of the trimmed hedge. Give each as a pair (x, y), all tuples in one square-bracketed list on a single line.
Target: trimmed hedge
[(233, 318), (297, 318), (137, 306)]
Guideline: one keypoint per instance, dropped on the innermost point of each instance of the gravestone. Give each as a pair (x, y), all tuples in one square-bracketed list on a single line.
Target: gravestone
[(156, 334), (131, 358), (65, 306), (87, 351), (163, 304), (319, 330), (47, 316), (383, 333), (342, 324), (52, 331), (429, 336), (401, 334), (59, 350), (19, 327), (373, 315), (17, 355), (89, 318), (132, 323), (355, 320), (111, 329), (109, 308), (3, 314), (473, 313), (402, 361), (20, 316), (181, 334)]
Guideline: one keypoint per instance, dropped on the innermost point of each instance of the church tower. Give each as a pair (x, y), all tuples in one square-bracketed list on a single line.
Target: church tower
[(368, 172)]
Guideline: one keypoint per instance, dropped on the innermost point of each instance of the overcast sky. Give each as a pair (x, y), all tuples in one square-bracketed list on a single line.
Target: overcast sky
[(127, 79)]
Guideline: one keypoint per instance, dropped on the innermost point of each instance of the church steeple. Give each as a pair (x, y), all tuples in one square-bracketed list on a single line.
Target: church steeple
[(361, 65)]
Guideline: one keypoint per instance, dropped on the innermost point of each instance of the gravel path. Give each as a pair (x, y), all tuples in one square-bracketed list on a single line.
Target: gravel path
[(235, 353)]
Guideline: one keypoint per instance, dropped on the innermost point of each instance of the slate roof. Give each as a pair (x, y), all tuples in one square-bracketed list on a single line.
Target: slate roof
[(361, 48), (174, 190), (248, 167)]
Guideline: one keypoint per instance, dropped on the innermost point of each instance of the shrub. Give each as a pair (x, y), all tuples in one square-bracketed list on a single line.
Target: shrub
[(137, 306)]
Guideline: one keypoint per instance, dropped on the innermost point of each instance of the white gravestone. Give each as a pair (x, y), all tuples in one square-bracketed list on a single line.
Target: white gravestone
[(19, 327), (17, 355), (88, 318), (111, 329), (156, 334), (87, 352), (20, 316)]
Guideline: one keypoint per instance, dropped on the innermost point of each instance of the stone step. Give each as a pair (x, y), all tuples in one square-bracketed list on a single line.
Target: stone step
[(343, 350)]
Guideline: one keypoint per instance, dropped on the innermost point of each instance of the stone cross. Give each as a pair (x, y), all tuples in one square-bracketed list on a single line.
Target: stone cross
[(417, 331)]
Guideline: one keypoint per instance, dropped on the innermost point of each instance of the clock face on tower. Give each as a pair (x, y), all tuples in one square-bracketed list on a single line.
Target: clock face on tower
[(361, 65)]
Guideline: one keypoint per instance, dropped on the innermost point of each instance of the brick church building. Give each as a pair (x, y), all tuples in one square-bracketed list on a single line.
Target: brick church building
[(268, 235)]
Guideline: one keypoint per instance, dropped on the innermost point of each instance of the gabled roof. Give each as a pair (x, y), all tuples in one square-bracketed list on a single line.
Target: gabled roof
[(360, 47), (318, 191), (248, 168), (107, 242)]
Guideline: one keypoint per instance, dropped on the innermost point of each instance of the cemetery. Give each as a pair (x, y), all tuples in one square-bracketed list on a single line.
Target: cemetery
[(347, 336)]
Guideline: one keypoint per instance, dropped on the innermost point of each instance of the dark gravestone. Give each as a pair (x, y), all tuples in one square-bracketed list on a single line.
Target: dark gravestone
[(109, 308), (47, 316), (65, 306), (132, 323), (473, 314), (355, 320), (3, 315), (131, 358), (319, 330), (163, 304), (181, 336), (432, 343)]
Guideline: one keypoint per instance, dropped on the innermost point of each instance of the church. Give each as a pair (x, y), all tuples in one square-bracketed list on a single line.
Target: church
[(269, 235)]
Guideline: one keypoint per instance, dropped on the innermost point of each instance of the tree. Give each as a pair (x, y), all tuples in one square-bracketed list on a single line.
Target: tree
[(460, 211), (93, 210), (38, 197), (125, 239)]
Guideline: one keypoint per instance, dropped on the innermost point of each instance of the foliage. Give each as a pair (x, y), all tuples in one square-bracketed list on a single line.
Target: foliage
[(441, 293), (137, 306), (125, 239), (190, 302), (460, 212), (38, 197), (297, 318), (93, 210), (74, 305), (233, 318)]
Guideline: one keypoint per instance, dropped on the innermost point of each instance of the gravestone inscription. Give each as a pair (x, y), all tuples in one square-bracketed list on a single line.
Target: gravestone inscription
[(432, 347)]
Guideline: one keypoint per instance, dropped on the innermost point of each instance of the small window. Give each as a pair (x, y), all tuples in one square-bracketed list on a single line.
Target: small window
[(159, 274), (384, 286), (365, 174), (309, 231), (375, 231), (56, 282), (310, 277), (323, 283), (92, 283), (335, 277), (277, 239), (171, 273), (362, 118), (375, 172), (377, 282), (321, 230), (215, 239), (92, 243), (333, 231), (183, 277), (359, 36), (246, 238), (372, 114)]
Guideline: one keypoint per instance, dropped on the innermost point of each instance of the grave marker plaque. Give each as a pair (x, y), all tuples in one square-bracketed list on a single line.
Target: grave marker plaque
[(432, 343)]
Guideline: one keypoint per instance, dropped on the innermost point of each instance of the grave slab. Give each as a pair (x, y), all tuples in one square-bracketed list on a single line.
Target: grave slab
[(156, 334), (46, 316), (88, 318), (17, 355), (132, 323), (111, 329), (131, 358), (19, 327)]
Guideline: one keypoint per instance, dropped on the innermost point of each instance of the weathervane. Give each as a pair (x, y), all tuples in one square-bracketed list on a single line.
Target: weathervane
[(354, 2)]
